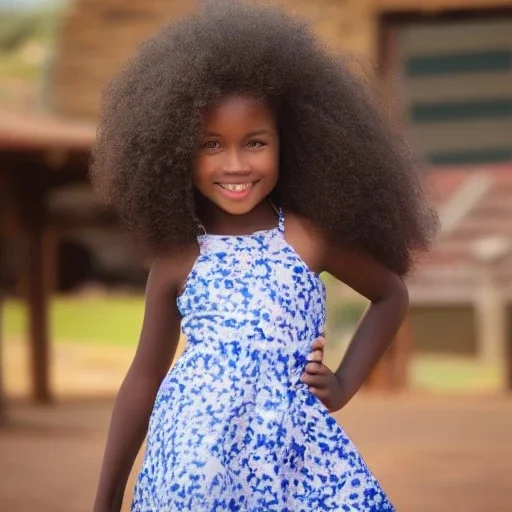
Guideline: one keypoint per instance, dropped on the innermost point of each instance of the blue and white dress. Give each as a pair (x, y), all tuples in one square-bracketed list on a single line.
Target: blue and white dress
[(233, 427)]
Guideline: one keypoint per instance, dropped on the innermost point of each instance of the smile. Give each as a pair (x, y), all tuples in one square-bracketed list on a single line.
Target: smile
[(237, 191), (237, 187)]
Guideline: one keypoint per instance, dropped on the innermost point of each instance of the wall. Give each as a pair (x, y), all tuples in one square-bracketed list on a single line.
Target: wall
[(444, 329), (99, 34)]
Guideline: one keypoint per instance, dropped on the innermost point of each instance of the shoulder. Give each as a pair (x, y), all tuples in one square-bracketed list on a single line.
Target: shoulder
[(169, 272), (348, 263), (306, 239), (298, 225)]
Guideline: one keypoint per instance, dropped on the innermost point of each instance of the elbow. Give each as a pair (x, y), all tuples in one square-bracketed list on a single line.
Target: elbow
[(404, 294), (143, 378), (396, 294), (399, 294)]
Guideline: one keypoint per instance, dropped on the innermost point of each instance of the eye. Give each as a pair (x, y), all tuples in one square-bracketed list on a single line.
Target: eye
[(212, 145), (255, 144)]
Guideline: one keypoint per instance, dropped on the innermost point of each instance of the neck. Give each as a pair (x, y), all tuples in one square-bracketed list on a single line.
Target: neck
[(218, 221)]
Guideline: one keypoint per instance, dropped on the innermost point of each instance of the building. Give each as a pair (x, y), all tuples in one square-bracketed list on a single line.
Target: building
[(445, 64)]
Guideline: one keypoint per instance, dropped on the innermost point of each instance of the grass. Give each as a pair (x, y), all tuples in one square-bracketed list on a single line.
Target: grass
[(454, 374), (116, 321), (11, 65), (113, 321)]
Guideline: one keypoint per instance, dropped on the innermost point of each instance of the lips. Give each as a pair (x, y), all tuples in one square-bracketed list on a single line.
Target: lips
[(237, 191)]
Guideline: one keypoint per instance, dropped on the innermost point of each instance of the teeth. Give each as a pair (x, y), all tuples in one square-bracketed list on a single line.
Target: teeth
[(236, 187)]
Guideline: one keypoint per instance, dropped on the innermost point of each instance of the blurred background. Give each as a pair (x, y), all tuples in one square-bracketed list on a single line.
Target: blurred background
[(434, 420)]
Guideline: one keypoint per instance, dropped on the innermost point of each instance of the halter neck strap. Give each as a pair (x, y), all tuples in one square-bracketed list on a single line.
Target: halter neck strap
[(280, 215)]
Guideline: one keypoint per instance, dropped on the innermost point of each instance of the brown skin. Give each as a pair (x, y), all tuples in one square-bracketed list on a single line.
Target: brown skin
[(157, 346), (235, 155), (389, 303), (376, 330), (240, 145)]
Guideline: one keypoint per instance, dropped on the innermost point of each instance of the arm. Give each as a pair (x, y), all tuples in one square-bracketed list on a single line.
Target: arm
[(158, 341), (377, 329)]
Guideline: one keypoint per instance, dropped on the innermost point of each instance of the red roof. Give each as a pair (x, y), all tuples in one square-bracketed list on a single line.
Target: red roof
[(31, 131), (475, 206)]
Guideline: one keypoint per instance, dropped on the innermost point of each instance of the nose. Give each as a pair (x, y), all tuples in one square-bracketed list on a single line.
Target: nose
[(235, 163)]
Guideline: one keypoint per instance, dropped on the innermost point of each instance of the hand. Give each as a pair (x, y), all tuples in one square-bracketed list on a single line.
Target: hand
[(321, 380)]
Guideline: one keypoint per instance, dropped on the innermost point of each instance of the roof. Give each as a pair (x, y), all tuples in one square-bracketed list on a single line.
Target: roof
[(474, 203), (36, 131), (475, 207)]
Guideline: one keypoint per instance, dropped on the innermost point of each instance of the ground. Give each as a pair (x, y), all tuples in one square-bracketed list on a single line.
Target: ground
[(430, 453), (443, 446)]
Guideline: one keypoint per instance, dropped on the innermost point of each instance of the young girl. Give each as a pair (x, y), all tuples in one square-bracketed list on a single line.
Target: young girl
[(249, 160)]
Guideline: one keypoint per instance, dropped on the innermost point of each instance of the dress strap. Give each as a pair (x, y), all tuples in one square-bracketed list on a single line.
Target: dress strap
[(280, 216), (281, 220)]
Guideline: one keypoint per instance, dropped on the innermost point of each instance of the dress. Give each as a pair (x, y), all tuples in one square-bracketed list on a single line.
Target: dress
[(233, 427)]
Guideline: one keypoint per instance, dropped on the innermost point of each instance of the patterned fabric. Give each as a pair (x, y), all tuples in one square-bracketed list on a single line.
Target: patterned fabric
[(233, 427)]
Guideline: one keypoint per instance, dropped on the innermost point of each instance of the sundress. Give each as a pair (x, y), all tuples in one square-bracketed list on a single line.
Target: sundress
[(233, 427)]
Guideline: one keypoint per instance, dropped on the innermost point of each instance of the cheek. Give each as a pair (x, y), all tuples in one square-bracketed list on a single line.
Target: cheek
[(200, 172), (273, 167)]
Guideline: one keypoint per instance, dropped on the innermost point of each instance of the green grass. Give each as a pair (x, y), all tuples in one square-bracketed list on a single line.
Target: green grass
[(454, 374), (13, 66), (113, 321), (116, 322)]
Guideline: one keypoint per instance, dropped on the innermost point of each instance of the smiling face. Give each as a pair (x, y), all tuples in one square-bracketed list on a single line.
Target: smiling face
[(237, 163)]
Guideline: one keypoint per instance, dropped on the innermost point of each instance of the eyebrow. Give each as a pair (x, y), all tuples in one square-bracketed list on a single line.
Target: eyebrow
[(251, 134)]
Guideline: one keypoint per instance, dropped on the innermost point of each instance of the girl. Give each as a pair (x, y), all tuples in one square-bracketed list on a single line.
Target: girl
[(249, 160)]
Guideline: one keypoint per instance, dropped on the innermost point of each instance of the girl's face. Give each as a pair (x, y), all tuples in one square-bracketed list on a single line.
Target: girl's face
[(237, 162)]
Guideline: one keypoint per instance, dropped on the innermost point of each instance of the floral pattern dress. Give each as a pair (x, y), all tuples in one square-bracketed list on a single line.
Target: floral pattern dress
[(233, 427)]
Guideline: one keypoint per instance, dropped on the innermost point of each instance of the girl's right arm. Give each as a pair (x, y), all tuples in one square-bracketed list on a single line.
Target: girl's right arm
[(158, 341)]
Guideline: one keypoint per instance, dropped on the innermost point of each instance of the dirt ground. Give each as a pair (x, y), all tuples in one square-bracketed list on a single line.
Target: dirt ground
[(430, 453)]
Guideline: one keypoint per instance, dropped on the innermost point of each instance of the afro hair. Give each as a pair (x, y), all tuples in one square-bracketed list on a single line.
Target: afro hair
[(342, 165)]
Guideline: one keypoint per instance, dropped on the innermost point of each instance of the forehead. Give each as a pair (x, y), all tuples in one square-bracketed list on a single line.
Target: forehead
[(239, 111)]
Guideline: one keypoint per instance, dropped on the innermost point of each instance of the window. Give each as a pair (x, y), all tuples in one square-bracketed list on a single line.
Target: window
[(457, 89)]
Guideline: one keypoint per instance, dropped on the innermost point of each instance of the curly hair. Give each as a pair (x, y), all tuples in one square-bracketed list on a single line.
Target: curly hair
[(342, 165)]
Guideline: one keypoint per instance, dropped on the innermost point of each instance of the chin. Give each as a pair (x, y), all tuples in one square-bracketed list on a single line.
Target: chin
[(240, 206), (237, 209)]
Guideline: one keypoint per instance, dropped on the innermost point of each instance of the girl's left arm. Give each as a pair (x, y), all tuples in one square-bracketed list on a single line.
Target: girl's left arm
[(377, 329)]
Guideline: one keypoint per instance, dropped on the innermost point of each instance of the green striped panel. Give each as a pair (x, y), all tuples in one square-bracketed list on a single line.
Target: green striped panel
[(500, 108), (474, 156), (474, 62)]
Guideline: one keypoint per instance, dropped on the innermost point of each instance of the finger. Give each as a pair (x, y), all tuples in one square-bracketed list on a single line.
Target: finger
[(317, 381), (316, 356), (315, 368), (319, 343), (318, 392)]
